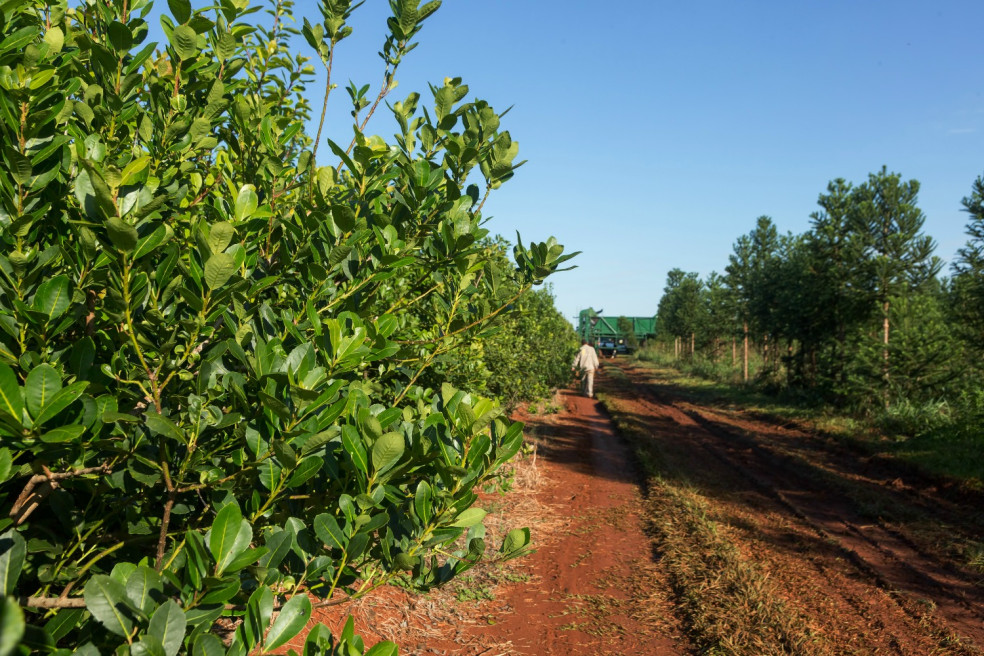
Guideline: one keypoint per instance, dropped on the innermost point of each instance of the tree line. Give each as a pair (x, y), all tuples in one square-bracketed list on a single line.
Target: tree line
[(856, 311)]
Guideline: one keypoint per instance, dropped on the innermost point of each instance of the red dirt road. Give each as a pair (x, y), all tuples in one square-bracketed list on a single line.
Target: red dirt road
[(596, 588)]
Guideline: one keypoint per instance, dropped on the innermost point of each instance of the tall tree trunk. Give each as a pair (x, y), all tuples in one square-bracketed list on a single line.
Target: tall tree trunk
[(840, 357), (691, 346), (734, 355), (745, 349), (885, 372), (792, 368)]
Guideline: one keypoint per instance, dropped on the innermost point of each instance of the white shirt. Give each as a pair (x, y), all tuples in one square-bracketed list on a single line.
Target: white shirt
[(587, 358)]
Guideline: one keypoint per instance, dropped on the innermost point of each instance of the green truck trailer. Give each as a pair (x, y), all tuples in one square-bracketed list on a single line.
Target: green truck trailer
[(604, 331)]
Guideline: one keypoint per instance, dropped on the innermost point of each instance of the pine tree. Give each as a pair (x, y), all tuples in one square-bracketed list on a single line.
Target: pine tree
[(901, 257), (839, 296), (681, 312), (968, 269), (745, 276)]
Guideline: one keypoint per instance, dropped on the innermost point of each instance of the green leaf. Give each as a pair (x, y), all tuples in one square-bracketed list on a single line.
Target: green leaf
[(306, 468), (13, 550), (293, 617), (246, 558), (18, 39), (219, 268), (356, 546), (123, 235), (385, 648), (422, 502), (342, 155), (148, 646), (344, 217), (61, 400), (168, 625), (143, 588), (386, 325), (339, 253), (55, 38), (131, 170), (11, 402), (53, 297), (246, 202), (180, 9), (259, 608), (207, 645), (20, 167), (63, 623), (226, 47), (161, 235), (185, 42), (41, 385), (230, 536), (120, 37), (106, 600), (221, 590), (220, 235), (161, 425), (352, 444), (515, 540), (285, 454), (329, 532), (469, 518), (275, 405), (6, 463), (111, 416), (224, 530), (387, 451), (11, 626), (63, 434), (269, 474)]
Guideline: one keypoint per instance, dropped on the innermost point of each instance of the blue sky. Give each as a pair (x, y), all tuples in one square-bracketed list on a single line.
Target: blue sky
[(657, 132)]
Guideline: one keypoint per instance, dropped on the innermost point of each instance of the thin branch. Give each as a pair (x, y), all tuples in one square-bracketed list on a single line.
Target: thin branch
[(51, 602), (324, 107), (441, 338), (172, 493), (40, 486), (383, 92), (201, 195), (488, 188)]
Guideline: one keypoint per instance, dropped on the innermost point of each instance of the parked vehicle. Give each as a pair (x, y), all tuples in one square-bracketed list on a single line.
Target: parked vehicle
[(603, 332)]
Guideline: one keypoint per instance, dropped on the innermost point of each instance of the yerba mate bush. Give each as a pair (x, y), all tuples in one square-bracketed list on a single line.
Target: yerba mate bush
[(210, 345)]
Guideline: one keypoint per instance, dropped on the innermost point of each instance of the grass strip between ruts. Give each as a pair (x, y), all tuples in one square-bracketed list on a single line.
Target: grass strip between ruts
[(727, 602)]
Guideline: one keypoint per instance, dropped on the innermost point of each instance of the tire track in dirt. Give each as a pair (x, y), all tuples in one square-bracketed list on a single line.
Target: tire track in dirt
[(894, 562), (957, 513), (596, 588)]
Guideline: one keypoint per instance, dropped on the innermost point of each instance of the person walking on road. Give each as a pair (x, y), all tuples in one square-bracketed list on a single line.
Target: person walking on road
[(587, 359)]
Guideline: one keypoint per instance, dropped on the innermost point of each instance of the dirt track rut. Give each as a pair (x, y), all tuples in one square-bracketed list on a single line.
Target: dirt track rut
[(798, 504)]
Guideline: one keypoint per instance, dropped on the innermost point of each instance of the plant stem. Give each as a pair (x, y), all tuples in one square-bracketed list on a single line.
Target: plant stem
[(324, 107)]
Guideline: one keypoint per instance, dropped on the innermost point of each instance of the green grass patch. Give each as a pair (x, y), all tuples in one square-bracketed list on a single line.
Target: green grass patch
[(942, 447)]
